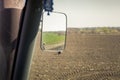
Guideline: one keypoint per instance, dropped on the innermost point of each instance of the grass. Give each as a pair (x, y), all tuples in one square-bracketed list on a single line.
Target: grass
[(52, 38), (100, 30), (106, 30)]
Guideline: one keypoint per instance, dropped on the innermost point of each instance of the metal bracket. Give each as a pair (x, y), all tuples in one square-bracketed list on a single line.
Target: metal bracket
[(48, 6)]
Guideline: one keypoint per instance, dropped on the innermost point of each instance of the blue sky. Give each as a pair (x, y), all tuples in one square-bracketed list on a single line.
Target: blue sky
[(90, 13)]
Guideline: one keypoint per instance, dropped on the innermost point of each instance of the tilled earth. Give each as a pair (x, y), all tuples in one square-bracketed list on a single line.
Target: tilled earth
[(86, 57)]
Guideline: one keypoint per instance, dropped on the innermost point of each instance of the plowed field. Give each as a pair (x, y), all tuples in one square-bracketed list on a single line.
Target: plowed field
[(86, 57)]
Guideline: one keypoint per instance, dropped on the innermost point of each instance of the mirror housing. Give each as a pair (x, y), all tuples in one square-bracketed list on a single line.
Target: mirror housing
[(53, 32)]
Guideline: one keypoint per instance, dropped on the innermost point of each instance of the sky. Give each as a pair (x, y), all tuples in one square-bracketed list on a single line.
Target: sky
[(90, 13), (54, 22)]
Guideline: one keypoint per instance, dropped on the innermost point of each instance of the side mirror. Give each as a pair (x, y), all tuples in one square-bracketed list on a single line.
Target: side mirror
[(53, 31)]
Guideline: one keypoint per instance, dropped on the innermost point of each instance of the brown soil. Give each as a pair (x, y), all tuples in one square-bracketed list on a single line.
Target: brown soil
[(86, 57)]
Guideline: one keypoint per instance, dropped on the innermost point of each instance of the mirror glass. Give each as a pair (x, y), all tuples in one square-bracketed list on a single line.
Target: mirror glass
[(53, 31)]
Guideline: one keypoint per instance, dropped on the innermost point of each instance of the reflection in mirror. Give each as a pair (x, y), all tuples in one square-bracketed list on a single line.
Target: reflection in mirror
[(54, 27)]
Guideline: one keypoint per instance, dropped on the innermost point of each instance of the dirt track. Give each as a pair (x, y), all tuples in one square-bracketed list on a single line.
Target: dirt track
[(87, 57)]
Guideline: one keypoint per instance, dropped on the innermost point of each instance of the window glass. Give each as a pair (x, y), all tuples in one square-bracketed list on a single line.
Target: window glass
[(92, 47)]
